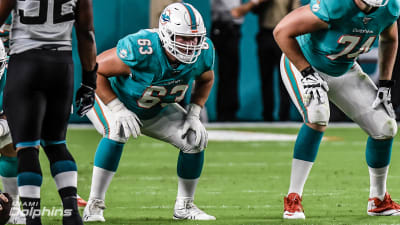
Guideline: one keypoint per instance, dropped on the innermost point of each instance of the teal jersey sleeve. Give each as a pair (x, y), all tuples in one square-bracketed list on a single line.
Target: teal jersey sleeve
[(209, 55), (351, 32), (328, 10)]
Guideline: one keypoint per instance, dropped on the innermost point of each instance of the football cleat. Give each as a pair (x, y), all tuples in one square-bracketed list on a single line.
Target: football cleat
[(293, 208), (81, 201), (16, 215), (185, 209), (387, 207), (94, 211)]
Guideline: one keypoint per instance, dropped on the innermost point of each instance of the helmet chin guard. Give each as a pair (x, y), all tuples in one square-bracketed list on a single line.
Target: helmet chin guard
[(182, 19), (376, 3)]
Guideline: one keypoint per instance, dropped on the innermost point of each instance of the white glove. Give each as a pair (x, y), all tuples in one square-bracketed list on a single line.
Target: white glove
[(193, 123), (126, 121), (383, 97), (313, 86), (4, 129)]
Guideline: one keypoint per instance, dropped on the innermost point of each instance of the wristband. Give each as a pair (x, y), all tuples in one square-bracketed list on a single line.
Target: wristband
[(307, 71), (386, 83), (89, 77), (194, 110)]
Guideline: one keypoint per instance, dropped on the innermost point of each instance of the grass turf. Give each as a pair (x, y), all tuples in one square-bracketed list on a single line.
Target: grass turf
[(242, 182)]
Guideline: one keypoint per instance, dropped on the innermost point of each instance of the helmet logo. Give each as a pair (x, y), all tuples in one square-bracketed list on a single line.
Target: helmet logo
[(165, 17)]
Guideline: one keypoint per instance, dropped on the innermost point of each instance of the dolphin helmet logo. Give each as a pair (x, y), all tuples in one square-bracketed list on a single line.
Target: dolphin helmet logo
[(165, 17)]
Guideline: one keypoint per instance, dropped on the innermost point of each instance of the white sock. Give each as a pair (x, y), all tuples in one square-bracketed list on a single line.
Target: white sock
[(298, 176), (10, 186), (100, 181), (186, 188), (377, 182)]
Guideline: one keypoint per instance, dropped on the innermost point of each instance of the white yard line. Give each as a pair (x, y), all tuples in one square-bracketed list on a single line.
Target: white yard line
[(238, 125)]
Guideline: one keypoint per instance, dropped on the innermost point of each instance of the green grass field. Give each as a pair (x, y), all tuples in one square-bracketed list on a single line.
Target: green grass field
[(242, 182)]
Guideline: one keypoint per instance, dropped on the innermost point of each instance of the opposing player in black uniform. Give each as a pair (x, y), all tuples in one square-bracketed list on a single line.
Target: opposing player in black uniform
[(39, 90)]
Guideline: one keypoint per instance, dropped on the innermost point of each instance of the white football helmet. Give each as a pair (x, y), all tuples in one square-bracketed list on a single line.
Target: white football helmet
[(376, 3), (3, 59), (182, 19)]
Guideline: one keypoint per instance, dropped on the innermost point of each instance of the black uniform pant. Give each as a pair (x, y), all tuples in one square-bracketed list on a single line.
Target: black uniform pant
[(226, 37), (38, 95), (269, 55)]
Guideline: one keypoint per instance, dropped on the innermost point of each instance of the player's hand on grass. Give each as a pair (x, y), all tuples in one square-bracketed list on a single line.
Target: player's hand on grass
[(127, 121)]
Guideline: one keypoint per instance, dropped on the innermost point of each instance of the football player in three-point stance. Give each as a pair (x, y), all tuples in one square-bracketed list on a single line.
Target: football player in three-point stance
[(138, 86), (320, 42)]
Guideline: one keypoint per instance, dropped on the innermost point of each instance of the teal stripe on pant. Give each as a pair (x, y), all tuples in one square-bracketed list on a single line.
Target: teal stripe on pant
[(378, 152), (307, 144), (190, 165), (103, 120), (295, 88), (108, 154)]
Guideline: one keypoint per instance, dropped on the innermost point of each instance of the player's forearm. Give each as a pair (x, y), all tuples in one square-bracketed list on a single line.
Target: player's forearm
[(290, 47), (104, 90), (202, 89), (5, 9), (387, 57), (87, 49)]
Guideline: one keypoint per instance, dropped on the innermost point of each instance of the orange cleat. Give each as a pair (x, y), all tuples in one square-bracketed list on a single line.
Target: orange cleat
[(387, 207), (81, 201)]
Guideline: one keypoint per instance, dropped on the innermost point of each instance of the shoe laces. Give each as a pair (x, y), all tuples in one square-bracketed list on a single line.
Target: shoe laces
[(388, 202), (293, 203), (97, 205), (191, 208)]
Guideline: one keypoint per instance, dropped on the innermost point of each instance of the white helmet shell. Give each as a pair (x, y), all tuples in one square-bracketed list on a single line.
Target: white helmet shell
[(376, 3), (182, 19)]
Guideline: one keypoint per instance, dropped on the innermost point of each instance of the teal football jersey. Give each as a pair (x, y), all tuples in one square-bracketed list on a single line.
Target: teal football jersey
[(351, 32), (153, 82)]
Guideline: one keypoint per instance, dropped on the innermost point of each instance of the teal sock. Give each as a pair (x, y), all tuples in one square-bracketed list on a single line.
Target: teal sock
[(378, 152), (108, 154), (8, 166), (190, 165), (307, 144)]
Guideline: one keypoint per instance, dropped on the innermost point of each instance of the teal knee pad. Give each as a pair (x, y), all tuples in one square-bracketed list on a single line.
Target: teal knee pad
[(108, 154), (307, 144), (190, 165), (8, 166), (378, 152)]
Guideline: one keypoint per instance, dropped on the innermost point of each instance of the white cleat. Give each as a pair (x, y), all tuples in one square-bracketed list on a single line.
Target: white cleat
[(185, 209), (16, 215), (94, 211)]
